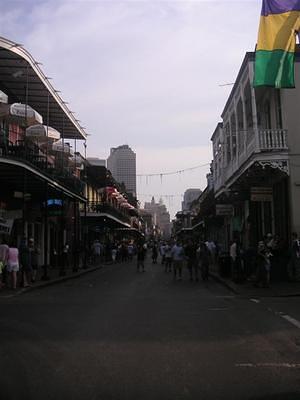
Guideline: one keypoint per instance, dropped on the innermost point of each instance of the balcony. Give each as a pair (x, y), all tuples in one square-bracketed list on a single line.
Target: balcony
[(32, 155), (95, 208), (261, 145)]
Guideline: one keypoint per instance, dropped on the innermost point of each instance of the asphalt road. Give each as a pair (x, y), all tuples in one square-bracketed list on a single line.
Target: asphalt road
[(119, 334)]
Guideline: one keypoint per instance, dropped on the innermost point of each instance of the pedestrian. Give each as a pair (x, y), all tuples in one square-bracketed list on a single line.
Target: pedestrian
[(114, 253), (13, 265), (236, 261), (34, 251), (154, 253), (168, 258), (192, 261), (203, 255), (65, 259), (96, 248), (162, 251), (141, 252), (294, 263), (3, 262), (178, 258), (130, 251), (263, 264), (25, 261)]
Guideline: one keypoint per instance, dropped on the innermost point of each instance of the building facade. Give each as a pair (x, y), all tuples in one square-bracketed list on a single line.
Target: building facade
[(161, 218), (256, 159), (189, 196), (122, 164)]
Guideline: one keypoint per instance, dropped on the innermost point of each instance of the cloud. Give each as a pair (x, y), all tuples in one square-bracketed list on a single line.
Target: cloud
[(146, 73)]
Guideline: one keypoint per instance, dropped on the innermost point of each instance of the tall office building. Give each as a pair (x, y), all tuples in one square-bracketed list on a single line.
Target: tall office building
[(189, 196), (122, 164)]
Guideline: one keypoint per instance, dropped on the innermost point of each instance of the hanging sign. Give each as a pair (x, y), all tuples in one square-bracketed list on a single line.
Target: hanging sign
[(224, 209), (6, 225)]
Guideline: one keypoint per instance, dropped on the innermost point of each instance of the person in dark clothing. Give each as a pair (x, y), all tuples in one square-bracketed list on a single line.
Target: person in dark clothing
[(141, 252), (25, 261), (203, 255), (154, 253), (192, 261)]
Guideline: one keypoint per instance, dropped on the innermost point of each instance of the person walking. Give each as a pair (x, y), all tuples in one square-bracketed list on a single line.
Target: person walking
[(25, 261), (203, 255), (141, 252), (168, 258), (13, 265), (154, 253), (192, 262), (178, 258), (294, 264), (34, 254), (263, 265), (3, 262)]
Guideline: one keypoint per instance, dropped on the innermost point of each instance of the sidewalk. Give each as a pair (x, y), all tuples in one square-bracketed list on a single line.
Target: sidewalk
[(53, 275), (276, 289)]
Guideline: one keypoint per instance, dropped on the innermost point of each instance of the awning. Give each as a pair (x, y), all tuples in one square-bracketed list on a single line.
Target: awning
[(42, 133), (25, 111), (18, 70), (61, 147), (19, 111), (3, 97)]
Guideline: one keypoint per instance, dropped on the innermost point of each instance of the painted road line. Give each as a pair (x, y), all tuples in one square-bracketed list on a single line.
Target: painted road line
[(255, 300), (293, 321), (268, 365)]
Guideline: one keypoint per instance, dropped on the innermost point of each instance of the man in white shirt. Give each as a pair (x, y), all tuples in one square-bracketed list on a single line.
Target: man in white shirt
[(178, 258)]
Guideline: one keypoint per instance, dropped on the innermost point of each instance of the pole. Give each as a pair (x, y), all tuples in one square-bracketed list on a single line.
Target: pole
[(45, 276)]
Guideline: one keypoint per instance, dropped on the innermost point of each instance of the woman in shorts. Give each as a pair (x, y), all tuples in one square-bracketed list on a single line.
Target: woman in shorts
[(13, 265)]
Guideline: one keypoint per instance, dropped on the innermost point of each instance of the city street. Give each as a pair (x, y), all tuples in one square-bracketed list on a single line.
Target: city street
[(119, 334)]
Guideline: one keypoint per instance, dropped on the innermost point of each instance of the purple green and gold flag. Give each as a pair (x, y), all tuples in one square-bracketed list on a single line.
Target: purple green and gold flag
[(275, 50)]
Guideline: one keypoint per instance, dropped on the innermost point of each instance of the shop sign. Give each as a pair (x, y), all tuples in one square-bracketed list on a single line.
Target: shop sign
[(6, 225), (261, 194), (224, 209)]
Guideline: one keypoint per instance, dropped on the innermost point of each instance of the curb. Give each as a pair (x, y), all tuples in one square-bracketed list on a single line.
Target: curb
[(232, 288), (51, 282), (224, 283)]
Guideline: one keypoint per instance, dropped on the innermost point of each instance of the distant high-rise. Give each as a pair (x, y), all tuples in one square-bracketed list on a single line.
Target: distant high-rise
[(160, 215), (122, 164), (189, 196)]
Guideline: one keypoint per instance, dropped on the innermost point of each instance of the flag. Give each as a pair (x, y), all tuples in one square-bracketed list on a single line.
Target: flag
[(275, 50)]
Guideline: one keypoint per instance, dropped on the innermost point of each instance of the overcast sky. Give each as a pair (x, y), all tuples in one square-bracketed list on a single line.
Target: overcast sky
[(143, 73)]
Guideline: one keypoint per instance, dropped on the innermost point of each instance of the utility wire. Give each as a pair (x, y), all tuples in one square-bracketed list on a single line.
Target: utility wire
[(174, 172)]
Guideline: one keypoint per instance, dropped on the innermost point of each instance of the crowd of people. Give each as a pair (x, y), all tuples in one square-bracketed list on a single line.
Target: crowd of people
[(268, 261), (174, 255), (18, 265), (271, 260)]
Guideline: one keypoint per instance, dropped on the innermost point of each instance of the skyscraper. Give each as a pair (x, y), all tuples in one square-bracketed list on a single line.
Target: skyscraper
[(122, 164)]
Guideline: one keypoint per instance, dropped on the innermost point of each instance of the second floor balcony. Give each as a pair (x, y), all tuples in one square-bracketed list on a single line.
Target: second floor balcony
[(31, 154), (250, 146)]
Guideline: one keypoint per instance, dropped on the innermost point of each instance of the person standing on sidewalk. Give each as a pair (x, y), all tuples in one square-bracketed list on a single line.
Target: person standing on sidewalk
[(168, 258), (263, 265), (192, 262), (294, 264), (141, 252), (203, 256), (13, 265), (34, 251), (3, 262), (178, 258), (25, 261)]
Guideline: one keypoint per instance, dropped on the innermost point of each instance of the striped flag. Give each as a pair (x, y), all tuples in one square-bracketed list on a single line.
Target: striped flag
[(275, 50)]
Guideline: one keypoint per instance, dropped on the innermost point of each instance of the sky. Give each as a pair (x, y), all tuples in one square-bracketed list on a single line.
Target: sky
[(149, 74)]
